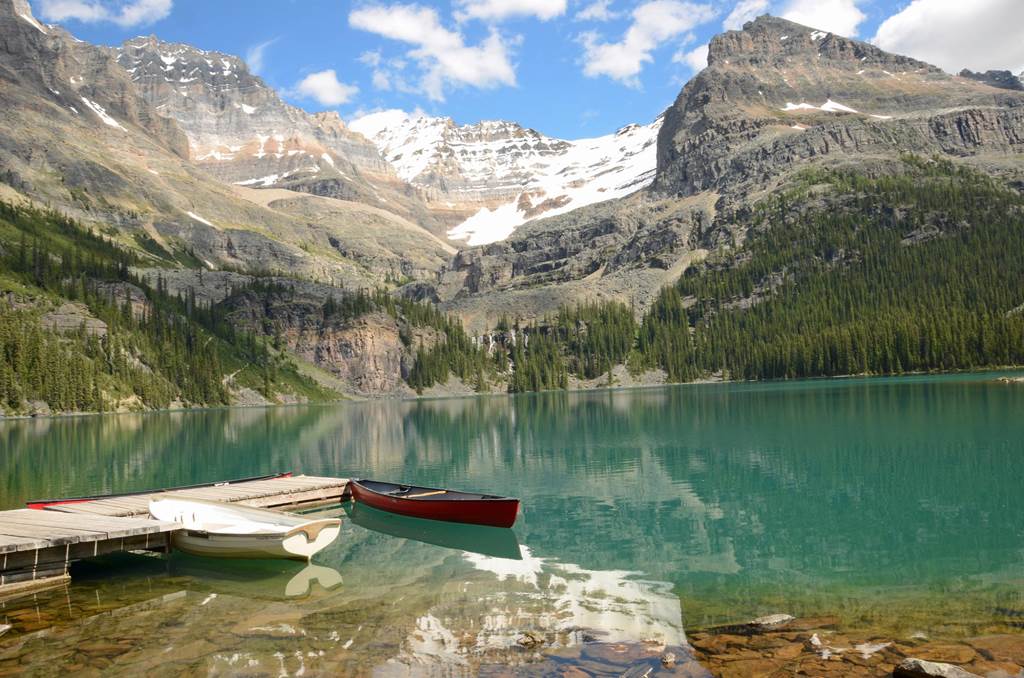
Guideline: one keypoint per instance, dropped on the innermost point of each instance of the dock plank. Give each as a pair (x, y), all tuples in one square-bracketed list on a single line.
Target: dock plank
[(9, 525), (97, 511), (52, 537), (254, 492), (9, 543), (46, 520)]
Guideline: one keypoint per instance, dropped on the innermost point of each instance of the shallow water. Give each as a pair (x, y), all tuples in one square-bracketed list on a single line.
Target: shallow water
[(894, 504)]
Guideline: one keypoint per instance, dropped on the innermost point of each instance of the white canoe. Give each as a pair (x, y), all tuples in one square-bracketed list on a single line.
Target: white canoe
[(229, 531)]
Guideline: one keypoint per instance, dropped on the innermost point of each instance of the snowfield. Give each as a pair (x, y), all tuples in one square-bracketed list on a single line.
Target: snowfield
[(544, 176)]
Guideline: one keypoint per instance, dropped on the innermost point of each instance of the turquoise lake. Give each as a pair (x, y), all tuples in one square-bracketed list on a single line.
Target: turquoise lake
[(895, 504)]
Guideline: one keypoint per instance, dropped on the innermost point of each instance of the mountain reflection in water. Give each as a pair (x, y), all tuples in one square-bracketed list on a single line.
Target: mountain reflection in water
[(881, 501)]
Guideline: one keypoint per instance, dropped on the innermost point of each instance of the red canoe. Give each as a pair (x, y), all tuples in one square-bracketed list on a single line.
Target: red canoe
[(44, 503), (436, 504)]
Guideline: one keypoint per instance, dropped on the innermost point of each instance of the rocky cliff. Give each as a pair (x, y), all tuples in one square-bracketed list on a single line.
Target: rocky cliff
[(48, 62), (241, 131)]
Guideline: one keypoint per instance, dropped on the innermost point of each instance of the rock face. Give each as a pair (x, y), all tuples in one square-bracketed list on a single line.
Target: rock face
[(501, 175), (365, 354), (73, 317), (82, 79), (1000, 79)]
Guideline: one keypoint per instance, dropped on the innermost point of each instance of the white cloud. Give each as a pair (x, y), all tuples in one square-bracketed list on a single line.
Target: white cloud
[(325, 88), (371, 58), (254, 55), (381, 76), (835, 16), (744, 11), (441, 54), (696, 58), (499, 10), (954, 34), (387, 74), (381, 81), (599, 10), (124, 14), (654, 23)]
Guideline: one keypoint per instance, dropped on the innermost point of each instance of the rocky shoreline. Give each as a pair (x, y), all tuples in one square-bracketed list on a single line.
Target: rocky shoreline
[(780, 645)]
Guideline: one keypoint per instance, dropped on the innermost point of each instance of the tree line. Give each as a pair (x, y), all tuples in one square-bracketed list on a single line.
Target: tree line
[(159, 348)]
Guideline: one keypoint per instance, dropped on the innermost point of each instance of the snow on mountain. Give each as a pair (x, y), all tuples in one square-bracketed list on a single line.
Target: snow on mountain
[(503, 174)]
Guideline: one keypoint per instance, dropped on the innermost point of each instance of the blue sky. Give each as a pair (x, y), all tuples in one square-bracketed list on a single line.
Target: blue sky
[(569, 68)]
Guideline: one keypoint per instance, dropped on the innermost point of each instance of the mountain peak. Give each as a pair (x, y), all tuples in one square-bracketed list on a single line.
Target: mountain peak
[(777, 82), (771, 40), (169, 60), (22, 10)]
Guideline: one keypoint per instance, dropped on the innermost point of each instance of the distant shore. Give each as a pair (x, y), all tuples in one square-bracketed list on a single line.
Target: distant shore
[(459, 390)]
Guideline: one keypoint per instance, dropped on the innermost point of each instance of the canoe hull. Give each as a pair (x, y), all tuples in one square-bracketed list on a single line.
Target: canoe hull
[(497, 512), (293, 546)]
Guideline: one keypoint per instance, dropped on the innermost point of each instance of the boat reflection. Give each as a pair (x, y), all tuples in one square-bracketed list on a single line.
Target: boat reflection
[(494, 542), (266, 579)]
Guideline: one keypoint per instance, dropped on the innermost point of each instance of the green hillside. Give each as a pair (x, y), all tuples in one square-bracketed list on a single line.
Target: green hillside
[(917, 270), (137, 347)]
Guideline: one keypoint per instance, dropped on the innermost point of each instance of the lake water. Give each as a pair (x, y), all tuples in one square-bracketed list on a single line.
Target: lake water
[(894, 504)]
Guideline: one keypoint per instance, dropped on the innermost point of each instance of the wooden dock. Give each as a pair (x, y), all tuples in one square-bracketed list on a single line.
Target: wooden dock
[(40, 544)]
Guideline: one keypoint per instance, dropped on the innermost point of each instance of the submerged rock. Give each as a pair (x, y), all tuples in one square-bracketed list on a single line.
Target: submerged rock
[(1005, 647), (919, 668), (771, 622)]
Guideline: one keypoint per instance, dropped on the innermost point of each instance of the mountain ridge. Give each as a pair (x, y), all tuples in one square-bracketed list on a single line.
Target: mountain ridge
[(241, 131), (502, 175), (739, 130)]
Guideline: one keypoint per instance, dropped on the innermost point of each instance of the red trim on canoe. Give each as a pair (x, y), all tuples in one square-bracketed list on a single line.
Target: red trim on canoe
[(433, 504), (40, 504)]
